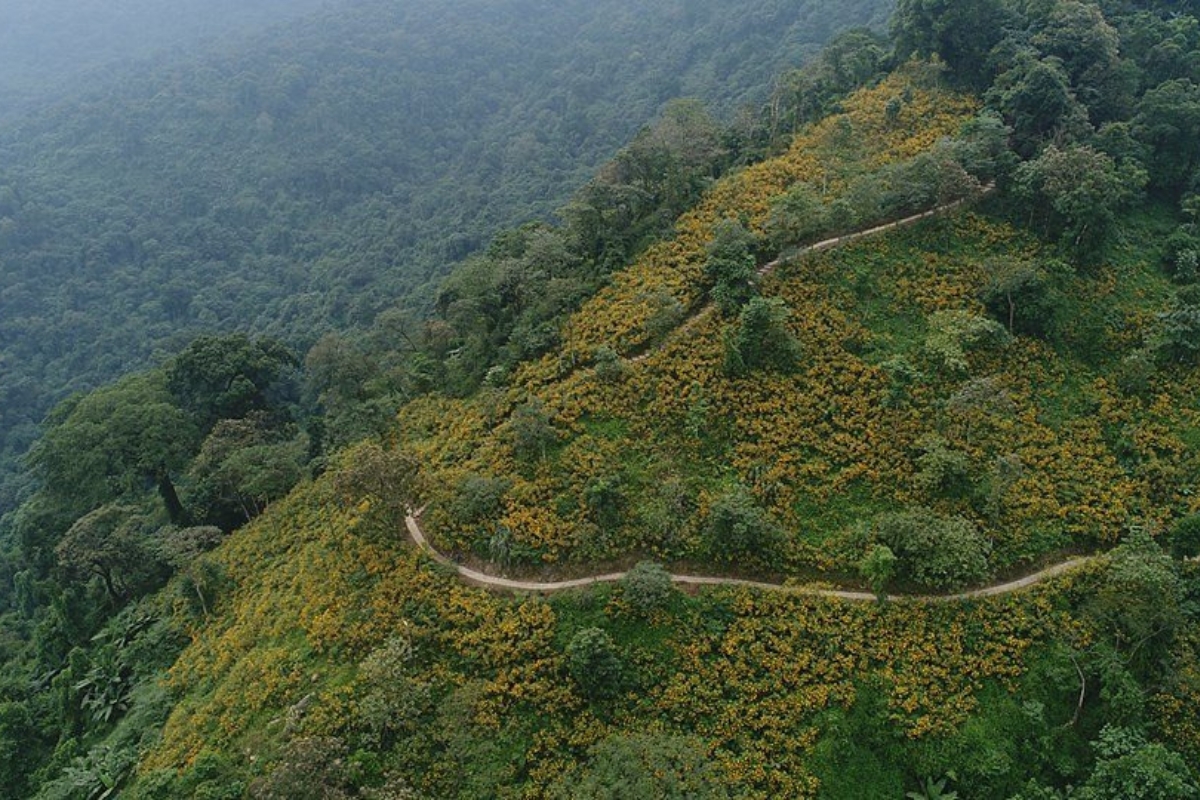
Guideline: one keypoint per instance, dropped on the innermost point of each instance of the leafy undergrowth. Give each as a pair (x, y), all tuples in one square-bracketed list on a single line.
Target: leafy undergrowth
[(1028, 410), (950, 377), (336, 633)]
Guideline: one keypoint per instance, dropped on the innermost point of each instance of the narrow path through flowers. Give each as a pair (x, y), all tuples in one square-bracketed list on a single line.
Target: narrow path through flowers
[(477, 578), (412, 522), (827, 244)]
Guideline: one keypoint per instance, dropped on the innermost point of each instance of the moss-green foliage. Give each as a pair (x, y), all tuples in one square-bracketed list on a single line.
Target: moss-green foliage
[(1185, 537), (643, 767), (314, 176), (934, 551), (966, 402)]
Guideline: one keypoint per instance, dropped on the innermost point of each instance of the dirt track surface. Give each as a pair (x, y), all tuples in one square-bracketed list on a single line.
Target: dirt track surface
[(477, 578), (827, 244), (474, 577)]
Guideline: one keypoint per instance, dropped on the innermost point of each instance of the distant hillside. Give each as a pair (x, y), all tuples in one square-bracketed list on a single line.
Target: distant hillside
[(49, 47), (327, 170)]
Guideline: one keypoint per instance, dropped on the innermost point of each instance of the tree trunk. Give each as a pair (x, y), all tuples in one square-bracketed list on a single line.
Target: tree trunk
[(110, 585), (170, 498), (1082, 693)]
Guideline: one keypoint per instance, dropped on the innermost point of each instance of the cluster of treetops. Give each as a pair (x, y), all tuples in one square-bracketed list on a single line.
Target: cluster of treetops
[(313, 177), (1093, 106)]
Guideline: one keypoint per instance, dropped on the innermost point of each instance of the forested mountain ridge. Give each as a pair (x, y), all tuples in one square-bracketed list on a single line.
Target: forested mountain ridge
[(916, 411), (326, 171), (47, 46)]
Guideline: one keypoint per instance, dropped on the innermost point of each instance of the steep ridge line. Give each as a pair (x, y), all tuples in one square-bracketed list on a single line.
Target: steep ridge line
[(826, 244), (474, 577)]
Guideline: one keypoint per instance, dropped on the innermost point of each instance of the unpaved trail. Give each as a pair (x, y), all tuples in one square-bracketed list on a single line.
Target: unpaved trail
[(474, 577), (827, 244), (837, 241), (477, 578)]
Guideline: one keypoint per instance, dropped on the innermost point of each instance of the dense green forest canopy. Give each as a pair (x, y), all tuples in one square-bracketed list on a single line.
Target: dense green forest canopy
[(327, 170), (49, 47), (657, 371)]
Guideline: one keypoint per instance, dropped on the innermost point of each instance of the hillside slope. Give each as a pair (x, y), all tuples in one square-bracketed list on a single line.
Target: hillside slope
[(325, 171), (1005, 379), (892, 404), (343, 658)]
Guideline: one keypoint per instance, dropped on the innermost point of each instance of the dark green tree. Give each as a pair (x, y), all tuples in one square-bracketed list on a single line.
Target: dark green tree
[(943, 471), (478, 498), (1130, 767), (1177, 338), (1023, 295), (729, 268), (1076, 194), (1181, 255), (593, 662), (532, 432), (1185, 537), (797, 215), (878, 567), (20, 739), (1168, 124), (387, 478), (357, 398), (243, 465), (1034, 96), (610, 367), (934, 551), (672, 161), (110, 544), (647, 586), (1138, 601), (604, 499), (115, 442), (647, 185), (761, 339), (737, 528), (1078, 34), (961, 32), (228, 377)]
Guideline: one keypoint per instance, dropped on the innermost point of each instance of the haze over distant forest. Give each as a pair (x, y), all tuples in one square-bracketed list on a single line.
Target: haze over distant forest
[(381, 372), (47, 47), (310, 175)]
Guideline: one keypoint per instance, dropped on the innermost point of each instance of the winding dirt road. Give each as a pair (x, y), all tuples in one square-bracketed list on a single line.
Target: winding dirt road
[(412, 523), (825, 244), (848, 238), (475, 577)]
